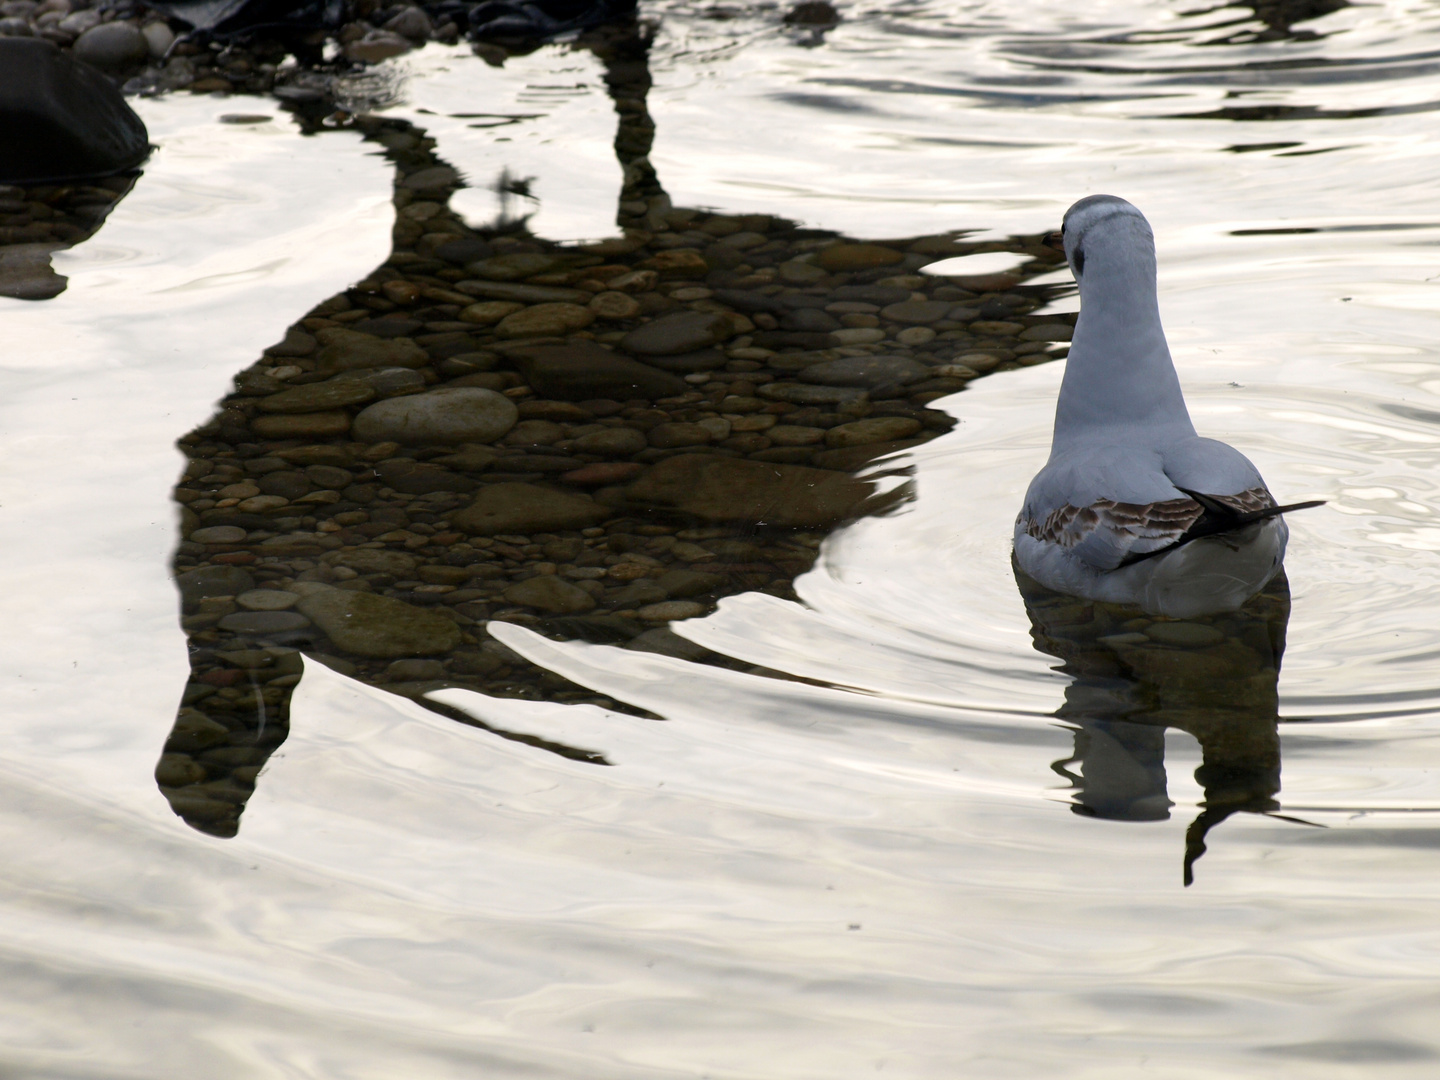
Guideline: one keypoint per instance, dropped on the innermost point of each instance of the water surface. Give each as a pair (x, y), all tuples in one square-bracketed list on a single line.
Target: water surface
[(873, 867)]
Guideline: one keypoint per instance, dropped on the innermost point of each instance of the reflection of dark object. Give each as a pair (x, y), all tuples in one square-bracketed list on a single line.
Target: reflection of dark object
[(229, 18), (44, 218), (1279, 17), (534, 21), (61, 119), (1214, 678), (812, 13)]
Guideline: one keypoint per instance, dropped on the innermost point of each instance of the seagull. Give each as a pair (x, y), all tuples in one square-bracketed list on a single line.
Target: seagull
[(1133, 506)]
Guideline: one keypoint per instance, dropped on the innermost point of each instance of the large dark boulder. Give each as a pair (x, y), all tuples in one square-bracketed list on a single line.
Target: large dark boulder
[(61, 119)]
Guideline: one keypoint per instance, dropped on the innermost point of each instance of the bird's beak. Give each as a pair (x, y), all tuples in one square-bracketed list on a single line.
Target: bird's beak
[(1054, 240)]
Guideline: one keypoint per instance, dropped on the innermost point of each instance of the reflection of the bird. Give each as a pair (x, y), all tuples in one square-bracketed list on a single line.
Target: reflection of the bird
[(1134, 676)]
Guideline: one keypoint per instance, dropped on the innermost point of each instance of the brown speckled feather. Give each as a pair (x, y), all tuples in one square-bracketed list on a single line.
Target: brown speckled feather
[(1164, 521)]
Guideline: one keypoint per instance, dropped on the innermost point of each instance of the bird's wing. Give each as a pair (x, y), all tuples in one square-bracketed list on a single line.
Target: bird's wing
[(1106, 532)]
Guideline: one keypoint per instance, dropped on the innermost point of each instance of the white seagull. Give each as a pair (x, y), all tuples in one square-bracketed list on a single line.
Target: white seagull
[(1133, 506)]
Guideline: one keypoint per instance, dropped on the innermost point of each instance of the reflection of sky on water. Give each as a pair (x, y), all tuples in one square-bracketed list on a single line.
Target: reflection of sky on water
[(852, 879)]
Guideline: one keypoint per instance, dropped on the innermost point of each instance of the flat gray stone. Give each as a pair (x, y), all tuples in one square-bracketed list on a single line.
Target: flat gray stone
[(800, 394), (263, 622), (586, 372), (917, 312), (867, 371), (551, 594), (526, 508), (375, 626), (758, 492), (318, 397), (112, 46), (346, 350), (452, 414), (196, 585), (682, 332), (523, 294)]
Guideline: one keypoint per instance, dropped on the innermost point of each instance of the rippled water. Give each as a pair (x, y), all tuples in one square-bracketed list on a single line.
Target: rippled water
[(877, 865)]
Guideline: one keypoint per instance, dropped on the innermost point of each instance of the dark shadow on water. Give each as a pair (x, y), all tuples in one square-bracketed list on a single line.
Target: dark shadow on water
[(638, 482), (1135, 676)]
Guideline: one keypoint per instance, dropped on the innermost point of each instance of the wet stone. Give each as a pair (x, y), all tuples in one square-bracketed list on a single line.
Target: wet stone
[(317, 397), (266, 599), (668, 610), (542, 320), (690, 363), (263, 622), (838, 257), (583, 372), (800, 394), (876, 429), (1048, 332), (218, 534), (526, 508), (682, 583), (1186, 634), (376, 626), (523, 294), (682, 332), (550, 594), (737, 490), (464, 414), (205, 581), (917, 311), (612, 442), (112, 46), (307, 425), (869, 371)]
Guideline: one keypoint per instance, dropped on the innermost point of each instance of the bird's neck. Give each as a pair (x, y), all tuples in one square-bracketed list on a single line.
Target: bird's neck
[(1119, 376)]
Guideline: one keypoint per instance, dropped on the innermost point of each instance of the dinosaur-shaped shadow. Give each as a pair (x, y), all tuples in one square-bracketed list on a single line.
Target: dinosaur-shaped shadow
[(679, 415)]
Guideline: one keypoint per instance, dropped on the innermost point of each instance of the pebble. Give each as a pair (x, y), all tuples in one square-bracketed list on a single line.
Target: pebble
[(583, 372), (512, 267), (551, 594), (614, 306), (857, 335), (462, 414), (838, 257), (682, 332), (915, 335), (670, 436), (112, 46), (550, 319), (669, 610), (344, 350), (523, 294), (301, 425), (525, 508), (376, 46), (316, 397), (800, 394), (196, 585), (874, 430), (218, 534), (917, 311), (1188, 634), (267, 599), (612, 442), (489, 312), (256, 623), (754, 492), (869, 371), (793, 435), (375, 626)]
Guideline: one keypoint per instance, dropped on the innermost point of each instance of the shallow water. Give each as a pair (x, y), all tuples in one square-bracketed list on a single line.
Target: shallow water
[(874, 869)]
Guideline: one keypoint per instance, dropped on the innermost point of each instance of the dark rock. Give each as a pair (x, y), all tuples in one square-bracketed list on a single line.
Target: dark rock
[(195, 585), (584, 372), (682, 332), (871, 294), (867, 371), (525, 508), (61, 119), (737, 490), (417, 478), (463, 251), (811, 320), (689, 363), (390, 328), (748, 301), (812, 13)]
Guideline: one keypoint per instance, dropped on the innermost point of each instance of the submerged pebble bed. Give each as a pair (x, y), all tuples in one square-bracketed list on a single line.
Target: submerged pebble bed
[(592, 440)]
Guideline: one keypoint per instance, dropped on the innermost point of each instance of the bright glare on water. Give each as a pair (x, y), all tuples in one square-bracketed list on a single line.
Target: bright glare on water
[(930, 851)]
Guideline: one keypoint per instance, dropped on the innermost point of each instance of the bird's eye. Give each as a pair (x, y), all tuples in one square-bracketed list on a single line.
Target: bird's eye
[(1079, 261)]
